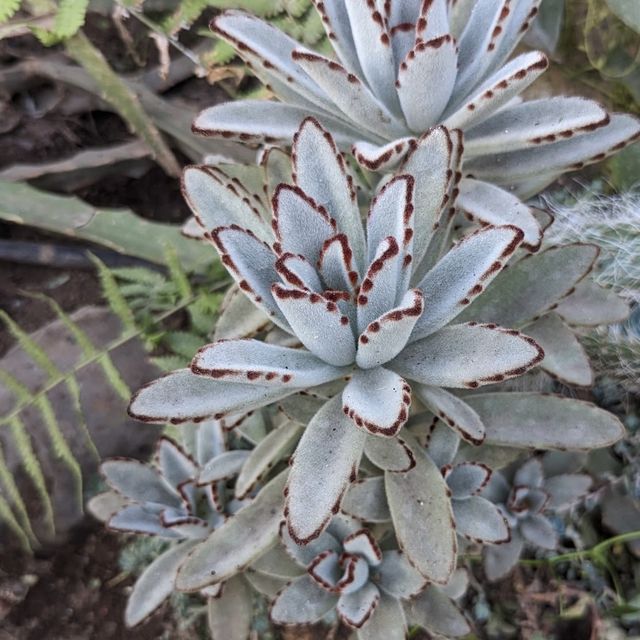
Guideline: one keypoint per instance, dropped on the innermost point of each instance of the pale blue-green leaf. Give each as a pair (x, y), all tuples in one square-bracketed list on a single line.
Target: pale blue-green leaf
[(530, 421), (464, 272), (499, 559), (537, 530), (389, 454), (182, 396), (238, 542), (422, 517), (267, 453), (468, 355), (356, 608), (306, 312), (489, 204), (388, 622), (366, 499), (566, 489), (155, 584), (325, 463), (226, 465), (434, 611), (377, 400), (302, 601), (467, 478), (533, 285), (480, 520), (229, 615), (256, 362), (453, 411), (564, 355), (591, 304), (398, 578)]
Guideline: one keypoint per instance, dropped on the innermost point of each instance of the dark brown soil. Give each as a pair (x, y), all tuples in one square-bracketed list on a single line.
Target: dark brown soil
[(79, 594)]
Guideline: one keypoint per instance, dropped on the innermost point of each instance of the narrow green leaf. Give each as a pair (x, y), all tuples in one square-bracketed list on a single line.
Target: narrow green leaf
[(120, 96), (113, 295), (114, 377), (177, 273), (60, 445), (14, 495), (32, 349), (6, 515), (31, 464)]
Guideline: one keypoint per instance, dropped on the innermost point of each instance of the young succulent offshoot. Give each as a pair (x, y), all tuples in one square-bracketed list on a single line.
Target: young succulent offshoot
[(406, 66), (373, 590), (171, 499), (377, 310), (526, 494)]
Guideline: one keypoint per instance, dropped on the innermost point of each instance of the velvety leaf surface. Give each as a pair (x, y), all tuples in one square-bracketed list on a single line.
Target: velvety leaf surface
[(356, 608), (531, 421), (389, 454), (256, 362), (398, 578), (533, 285), (268, 452), (306, 312), (388, 622), (321, 172), (465, 271), (366, 499), (564, 356), (182, 396), (384, 338), (487, 203), (325, 463), (302, 601), (229, 616), (437, 613), (566, 489), (499, 559), (377, 400), (480, 520), (422, 518), (591, 304), (456, 413), (226, 465), (238, 542), (467, 356), (155, 584)]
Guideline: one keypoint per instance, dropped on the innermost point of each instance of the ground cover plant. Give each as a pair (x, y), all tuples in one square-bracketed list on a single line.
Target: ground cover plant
[(411, 394)]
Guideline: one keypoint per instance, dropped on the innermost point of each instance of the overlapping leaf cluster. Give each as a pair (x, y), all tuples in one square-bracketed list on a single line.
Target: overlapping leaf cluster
[(373, 315)]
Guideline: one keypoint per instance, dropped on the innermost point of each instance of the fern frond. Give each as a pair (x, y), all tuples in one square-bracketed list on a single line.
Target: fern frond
[(31, 465), (8, 8), (33, 350), (60, 445), (183, 343), (168, 363), (113, 295), (139, 275), (177, 274), (13, 494), (70, 17), (6, 515), (114, 377)]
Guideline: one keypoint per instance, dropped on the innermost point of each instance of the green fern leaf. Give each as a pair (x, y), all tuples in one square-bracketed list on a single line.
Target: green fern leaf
[(139, 275), (60, 445), (113, 295), (8, 9), (36, 353), (177, 274), (31, 464), (169, 363), (183, 343), (6, 516), (13, 494), (70, 17)]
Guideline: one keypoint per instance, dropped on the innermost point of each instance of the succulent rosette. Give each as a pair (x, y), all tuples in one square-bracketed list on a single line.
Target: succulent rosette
[(181, 497), (405, 66), (526, 494), (375, 591), (371, 316)]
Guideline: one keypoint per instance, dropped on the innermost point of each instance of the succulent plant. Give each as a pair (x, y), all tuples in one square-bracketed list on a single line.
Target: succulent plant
[(358, 314), (525, 493), (181, 497), (405, 66), (373, 590)]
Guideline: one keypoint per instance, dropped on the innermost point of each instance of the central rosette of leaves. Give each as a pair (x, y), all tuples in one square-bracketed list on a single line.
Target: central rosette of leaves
[(370, 304)]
